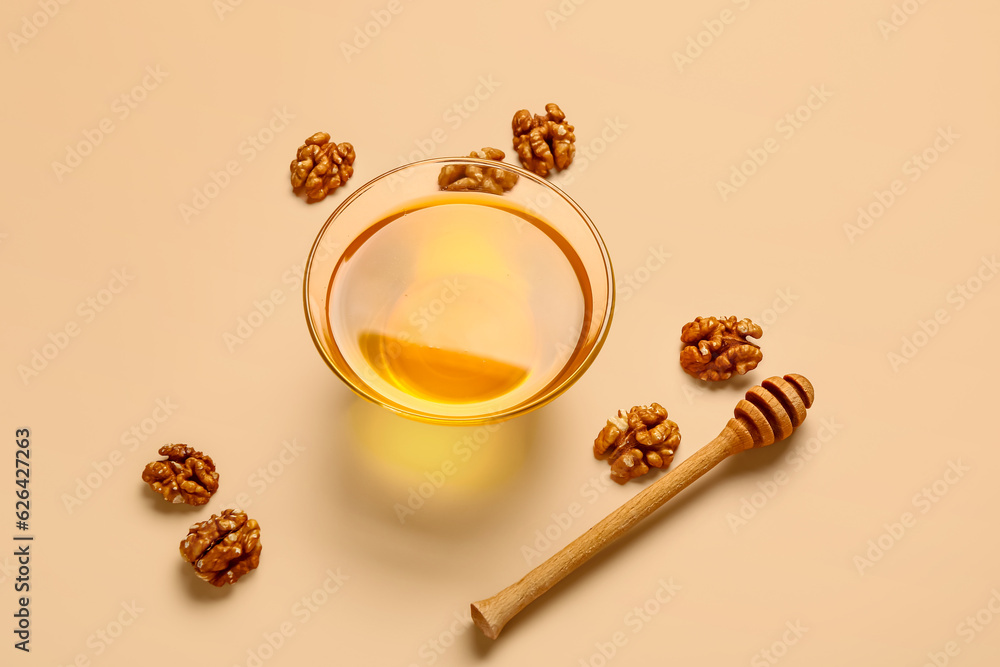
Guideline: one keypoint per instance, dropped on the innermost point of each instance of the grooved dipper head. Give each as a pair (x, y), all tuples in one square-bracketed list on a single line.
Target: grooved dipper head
[(775, 408)]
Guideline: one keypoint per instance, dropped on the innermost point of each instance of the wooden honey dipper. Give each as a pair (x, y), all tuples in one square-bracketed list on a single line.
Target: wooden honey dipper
[(769, 413)]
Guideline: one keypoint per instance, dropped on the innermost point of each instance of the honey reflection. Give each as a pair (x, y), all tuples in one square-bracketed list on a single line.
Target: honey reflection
[(433, 475)]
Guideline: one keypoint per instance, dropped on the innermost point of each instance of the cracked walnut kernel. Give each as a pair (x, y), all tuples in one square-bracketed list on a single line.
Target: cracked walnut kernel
[(223, 548), (187, 476), (636, 441), (321, 166), (715, 348), (473, 177), (543, 142)]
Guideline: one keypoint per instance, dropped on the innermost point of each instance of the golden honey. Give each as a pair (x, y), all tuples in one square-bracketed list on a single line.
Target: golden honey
[(451, 297)]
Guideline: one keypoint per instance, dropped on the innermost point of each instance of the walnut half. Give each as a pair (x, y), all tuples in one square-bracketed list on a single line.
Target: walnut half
[(543, 142), (321, 166), (473, 177), (636, 441), (223, 548), (715, 348), (187, 476)]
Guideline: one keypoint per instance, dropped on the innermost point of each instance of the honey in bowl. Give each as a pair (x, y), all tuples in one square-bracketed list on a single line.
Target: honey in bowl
[(464, 300)]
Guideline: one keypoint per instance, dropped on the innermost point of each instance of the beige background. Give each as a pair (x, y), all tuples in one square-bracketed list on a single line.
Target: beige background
[(835, 305)]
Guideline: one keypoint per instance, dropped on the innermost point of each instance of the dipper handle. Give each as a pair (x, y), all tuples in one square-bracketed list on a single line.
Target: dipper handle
[(768, 413)]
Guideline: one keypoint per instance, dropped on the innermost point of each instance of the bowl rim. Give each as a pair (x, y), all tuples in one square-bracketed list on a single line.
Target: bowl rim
[(465, 420)]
